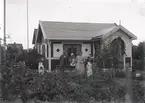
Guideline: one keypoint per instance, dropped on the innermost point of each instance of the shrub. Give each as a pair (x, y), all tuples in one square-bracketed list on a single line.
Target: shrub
[(137, 64), (67, 86), (120, 74), (138, 91), (31, 58)]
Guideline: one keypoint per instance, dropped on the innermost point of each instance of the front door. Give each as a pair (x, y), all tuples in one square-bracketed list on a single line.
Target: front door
[(72, 48)]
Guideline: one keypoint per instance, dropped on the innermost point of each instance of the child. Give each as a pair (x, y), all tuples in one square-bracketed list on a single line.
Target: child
[(41, 68), (89, 69), (72, 61), (88, 65)]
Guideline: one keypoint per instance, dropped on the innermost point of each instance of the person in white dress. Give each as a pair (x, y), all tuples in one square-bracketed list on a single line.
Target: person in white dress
[(80, 64)]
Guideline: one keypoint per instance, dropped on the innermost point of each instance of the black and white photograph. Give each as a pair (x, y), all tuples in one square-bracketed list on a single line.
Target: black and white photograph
[(72, 51)]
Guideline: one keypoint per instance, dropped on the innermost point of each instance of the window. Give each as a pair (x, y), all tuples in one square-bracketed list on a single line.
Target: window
[(43, 50), (46, 50), (40, 50)]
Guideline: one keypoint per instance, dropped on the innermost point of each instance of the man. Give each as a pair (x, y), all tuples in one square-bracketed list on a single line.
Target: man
[(63, 61)]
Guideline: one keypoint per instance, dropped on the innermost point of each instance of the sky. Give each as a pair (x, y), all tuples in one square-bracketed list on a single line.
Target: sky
[(130, 12)]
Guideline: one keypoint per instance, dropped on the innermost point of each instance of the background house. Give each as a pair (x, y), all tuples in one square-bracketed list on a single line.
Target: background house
[(15, 46), (52, 38)]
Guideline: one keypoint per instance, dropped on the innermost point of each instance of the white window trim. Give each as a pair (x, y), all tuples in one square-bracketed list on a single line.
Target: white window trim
[(45, 50)]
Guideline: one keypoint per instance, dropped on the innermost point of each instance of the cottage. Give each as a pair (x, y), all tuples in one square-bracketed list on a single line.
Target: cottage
[(51, 38)]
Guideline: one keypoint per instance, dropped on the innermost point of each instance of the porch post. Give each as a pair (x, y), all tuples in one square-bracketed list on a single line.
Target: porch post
[(49, 59), (124, 64), (45, 50), (94, 50)]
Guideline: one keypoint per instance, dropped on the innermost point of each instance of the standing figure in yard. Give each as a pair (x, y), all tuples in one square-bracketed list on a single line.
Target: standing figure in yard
[(72, 60), (63, 61), (88, 65), (80, 64), (41, 67)]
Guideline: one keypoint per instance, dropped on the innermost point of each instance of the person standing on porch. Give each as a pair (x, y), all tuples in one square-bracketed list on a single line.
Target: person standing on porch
[(80, 64), (62, 59)]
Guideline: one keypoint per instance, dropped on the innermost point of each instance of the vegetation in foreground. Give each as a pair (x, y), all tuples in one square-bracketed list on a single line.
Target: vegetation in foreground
[(60, 86)]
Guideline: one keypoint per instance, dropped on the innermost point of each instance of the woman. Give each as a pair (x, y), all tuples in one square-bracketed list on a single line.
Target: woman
[(80, 64)]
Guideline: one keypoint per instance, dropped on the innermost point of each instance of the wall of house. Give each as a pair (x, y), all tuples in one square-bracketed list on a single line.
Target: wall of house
[(57, 50), (86, 49)]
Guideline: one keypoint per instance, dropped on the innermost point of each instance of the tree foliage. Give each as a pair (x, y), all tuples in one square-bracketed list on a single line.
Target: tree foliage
[(31, 58), (138, 54), (109, 54), (11, 69)]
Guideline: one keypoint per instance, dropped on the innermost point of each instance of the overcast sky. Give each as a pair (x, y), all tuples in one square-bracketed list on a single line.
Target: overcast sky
[(130, 12)]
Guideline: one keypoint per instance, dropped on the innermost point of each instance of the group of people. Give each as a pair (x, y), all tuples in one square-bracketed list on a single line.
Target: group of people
[(78, 62)]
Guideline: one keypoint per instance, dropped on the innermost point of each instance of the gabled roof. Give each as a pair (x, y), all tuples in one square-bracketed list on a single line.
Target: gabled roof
[(109, 31), (120, 27), (34, 36), (72, 30), (53, 30)]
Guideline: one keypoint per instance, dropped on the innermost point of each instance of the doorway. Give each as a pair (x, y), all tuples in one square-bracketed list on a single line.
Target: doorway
[(72, 48)]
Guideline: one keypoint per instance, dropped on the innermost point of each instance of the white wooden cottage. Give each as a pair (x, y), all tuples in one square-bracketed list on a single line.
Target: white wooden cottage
[(51, 38)]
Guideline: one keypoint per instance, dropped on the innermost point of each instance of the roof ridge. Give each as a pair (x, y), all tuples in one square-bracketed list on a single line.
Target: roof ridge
[(78, 22)]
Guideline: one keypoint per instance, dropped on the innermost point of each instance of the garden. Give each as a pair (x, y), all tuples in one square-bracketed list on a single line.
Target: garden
[(21, 80)]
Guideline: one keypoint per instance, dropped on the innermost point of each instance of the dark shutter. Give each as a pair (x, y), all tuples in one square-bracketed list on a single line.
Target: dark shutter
[(47, 50)]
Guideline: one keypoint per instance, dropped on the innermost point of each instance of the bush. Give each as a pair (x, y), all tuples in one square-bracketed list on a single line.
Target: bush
[(140, 78), (137, 64), (138, 91), (120, 74), (31, 58), (73, 87), (64, 87)]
